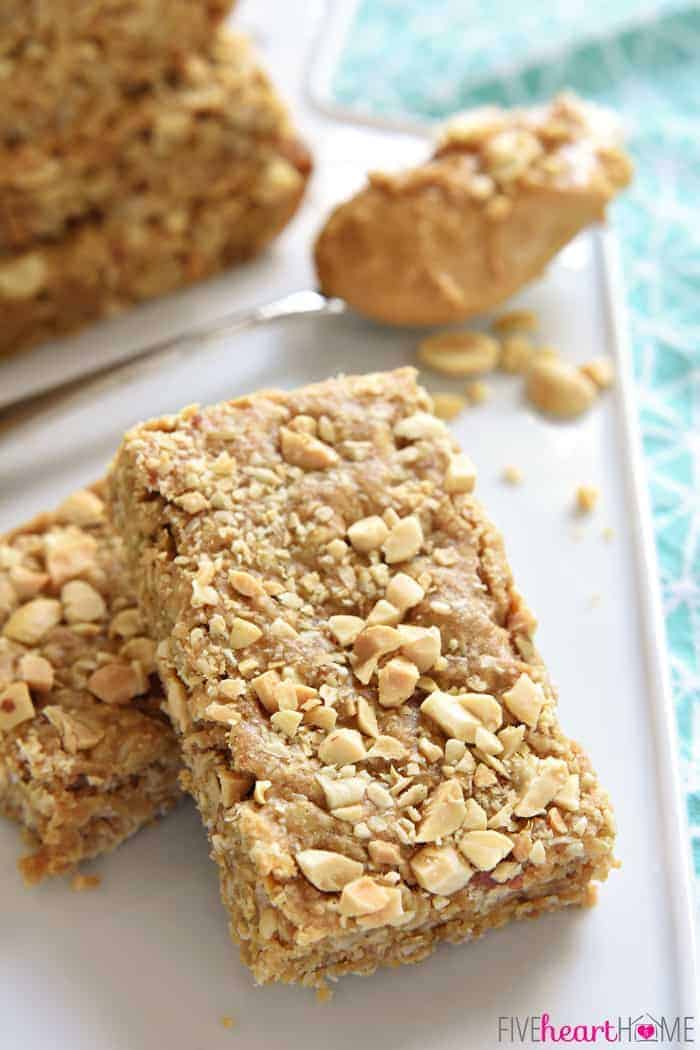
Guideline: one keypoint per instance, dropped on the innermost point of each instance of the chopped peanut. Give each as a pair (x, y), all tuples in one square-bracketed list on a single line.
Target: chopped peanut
[(82, 508), (346, 628), (516, 321), (421, 645), (601, 371), (485, 849), (444, 812), (328, 871), (81, 602), (305, 451), (516, 354), (404, 540), (118, 683), (440, 870), (15, 705), (76, 733), (512, 475), (363, 896), (559, 389), (525, 700), (586, 498), (477, 392), (461, 474), (80, 882), (419, 425), (454, 720), (551, 779), (37, 672), (341, 747), (384, 612), (33, 620), (462, 353), (368, 534), (448, 406), (397, 681), (404, 592), (243, 633)]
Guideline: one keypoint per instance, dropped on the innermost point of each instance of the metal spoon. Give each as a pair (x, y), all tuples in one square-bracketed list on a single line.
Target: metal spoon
[(76, 391)]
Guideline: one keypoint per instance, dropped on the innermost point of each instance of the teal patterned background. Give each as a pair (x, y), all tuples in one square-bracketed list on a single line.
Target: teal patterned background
[(644, 60)]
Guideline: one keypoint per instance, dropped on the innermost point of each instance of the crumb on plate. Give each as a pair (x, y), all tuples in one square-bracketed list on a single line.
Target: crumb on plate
[(586, 498), (516, 321), (591, 895), (516, 353), (600, 370), (448, 406), (512, 475), (557, 388), (80, 882), (477, 392), (462, 353)]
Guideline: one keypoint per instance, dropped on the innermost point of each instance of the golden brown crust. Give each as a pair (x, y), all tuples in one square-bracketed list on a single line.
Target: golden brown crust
[(64, 61), (503, 193), (86, 756), (369, 732)]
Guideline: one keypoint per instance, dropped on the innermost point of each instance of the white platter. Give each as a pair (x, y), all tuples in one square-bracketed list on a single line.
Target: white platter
[(145, 960)]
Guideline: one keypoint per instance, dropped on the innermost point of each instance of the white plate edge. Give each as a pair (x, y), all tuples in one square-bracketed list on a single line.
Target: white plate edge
[(674, 835), (679, 866)]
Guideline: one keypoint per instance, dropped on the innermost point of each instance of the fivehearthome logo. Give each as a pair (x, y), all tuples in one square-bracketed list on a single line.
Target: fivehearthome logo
[(646, 1028)]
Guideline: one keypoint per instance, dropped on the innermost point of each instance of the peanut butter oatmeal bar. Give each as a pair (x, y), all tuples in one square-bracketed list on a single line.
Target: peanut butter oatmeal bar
[(369, 732), (214, 129), (63, 60), (86, 755), (503, 193)]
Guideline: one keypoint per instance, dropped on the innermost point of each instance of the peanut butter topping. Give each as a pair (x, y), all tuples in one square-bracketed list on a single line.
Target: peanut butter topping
[(455, 236)]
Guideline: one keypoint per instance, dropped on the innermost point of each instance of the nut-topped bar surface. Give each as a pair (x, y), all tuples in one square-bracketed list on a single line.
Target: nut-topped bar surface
[(369, 732), (86, 756)]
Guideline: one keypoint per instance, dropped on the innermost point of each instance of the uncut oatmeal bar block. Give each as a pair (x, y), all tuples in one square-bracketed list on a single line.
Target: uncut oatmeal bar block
[(369, 732), (86, 755), (62, 60), (214, 127)]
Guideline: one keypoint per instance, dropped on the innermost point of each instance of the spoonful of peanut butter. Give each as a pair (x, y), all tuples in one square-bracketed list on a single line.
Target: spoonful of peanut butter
[(504, 191)]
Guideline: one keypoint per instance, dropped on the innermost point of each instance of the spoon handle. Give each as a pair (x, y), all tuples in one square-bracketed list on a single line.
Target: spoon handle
[(78, 391)]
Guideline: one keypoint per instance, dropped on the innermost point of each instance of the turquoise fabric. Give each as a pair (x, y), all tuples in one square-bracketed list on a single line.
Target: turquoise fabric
[(644, 60)]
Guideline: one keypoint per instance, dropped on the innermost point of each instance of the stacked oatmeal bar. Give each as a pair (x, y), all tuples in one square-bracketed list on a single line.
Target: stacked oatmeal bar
[(367, 728), (86, 755), (140, 188)]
